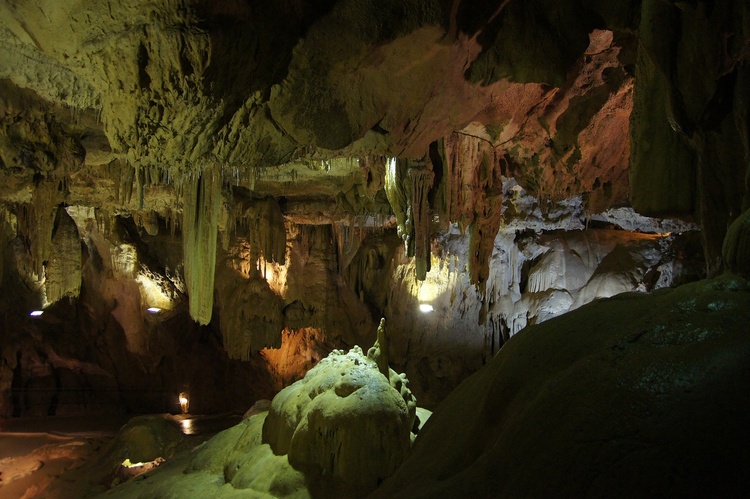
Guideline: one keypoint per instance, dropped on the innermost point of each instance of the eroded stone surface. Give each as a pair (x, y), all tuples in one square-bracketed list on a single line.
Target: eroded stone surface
[(609, 397), (344, 424)]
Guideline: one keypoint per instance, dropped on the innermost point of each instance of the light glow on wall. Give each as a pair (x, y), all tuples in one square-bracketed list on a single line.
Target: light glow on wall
[(426, 308), (154, 293)]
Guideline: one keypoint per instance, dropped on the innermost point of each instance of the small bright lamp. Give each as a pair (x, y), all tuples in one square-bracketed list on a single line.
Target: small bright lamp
[(153, 310), (425, 308), (184, 402), (36, 313)]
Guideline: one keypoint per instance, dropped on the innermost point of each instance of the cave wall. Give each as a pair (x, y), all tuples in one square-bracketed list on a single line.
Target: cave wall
[(689, 126), (271, 171)]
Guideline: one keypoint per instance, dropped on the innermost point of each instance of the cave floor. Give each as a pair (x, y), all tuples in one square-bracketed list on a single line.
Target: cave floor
[(61, 457)]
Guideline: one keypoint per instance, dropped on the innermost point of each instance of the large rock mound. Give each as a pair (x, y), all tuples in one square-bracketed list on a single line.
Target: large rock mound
[(736, 250), (636, 395), (346, 425)]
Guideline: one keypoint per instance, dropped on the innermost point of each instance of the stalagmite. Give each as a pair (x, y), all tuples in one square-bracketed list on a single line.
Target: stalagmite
[(202, 202), (63, 270), (379, 351), (345, 424)]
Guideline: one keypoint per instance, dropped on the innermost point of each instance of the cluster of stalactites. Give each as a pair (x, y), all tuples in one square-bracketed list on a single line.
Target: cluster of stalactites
[(349, 236), (200, 217), (407, 184), (63, 270), (36, 222), (128, 179), (470, 194), (262, 223)]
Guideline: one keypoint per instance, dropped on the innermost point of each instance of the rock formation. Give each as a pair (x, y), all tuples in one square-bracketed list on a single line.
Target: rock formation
[(607, 398), (345, 424), (214, 196), (341, 430)]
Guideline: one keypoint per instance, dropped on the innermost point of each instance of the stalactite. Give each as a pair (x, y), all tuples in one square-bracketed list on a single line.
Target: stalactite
[(255, 320), (421, 182), (487, 220), (268, 231), (407, 184), (444, 202), (123, 176), (3, 240), (349, 235), (140, 185), (397, 197), (201, 205), (63, 270), (36, 222), (470, 193), (262, 222)]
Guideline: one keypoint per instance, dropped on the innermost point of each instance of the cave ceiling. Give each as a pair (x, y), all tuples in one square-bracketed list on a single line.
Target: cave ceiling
[(140, 108), (279, 93)]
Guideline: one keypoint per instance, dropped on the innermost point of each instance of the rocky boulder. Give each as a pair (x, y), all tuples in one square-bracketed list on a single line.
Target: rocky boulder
[(346, 425)]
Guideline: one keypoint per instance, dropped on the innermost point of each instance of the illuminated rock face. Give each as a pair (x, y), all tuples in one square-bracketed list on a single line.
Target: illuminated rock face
[(238, 152), (606, 398)]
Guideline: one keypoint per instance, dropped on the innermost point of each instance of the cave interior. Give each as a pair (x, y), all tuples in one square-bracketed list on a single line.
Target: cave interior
[(348, 248)]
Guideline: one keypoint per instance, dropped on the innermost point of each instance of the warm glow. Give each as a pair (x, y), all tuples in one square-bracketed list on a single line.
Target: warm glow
[(184, 402), (36, 313), (436, 283), (187, 426), (425, 308), (274, 274), (154, 293), (126, 463)]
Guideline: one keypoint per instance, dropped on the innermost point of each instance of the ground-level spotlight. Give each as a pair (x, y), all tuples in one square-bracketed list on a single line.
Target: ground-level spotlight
[(153, 310), (184, 402), (36, 313), (425, 308)]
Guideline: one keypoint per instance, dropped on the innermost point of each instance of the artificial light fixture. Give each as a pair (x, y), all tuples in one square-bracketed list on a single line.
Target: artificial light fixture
[(425, 308), (184, 402), (36, 313), (153, 310)]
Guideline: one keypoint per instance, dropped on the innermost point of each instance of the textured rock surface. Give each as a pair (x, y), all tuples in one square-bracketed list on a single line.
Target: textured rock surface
[(690, 119), (634, 394), (736, 249), (345, 424), (285, 172), (246, 462), (541, 266), (339, 431)]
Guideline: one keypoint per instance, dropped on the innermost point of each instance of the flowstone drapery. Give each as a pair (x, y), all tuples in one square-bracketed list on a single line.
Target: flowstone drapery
[(202, 201), (407, 183), (63, 270)]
